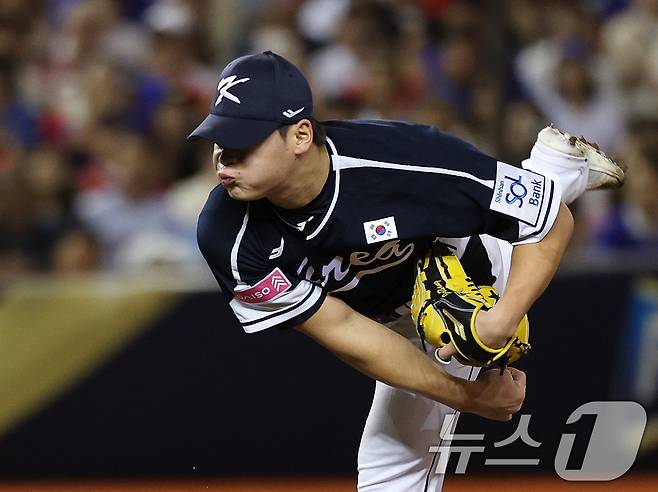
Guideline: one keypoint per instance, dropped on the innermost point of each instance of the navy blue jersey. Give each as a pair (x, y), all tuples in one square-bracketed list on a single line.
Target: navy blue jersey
[(393, 188)]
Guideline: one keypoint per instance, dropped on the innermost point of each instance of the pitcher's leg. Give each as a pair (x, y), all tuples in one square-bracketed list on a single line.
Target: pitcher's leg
[(394, 454), (576, 164)]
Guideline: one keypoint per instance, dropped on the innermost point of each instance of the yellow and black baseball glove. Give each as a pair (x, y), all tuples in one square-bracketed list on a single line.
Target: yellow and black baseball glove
[(445, 305)]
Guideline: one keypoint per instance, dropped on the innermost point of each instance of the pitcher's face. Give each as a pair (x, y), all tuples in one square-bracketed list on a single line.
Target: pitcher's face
[(255, 172)]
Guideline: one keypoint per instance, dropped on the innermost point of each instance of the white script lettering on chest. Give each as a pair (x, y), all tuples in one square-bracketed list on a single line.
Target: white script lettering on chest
[(340, 275)]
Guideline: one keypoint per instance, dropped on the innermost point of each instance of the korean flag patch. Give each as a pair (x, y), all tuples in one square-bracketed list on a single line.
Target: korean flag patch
[(518, 193), (380, 230)]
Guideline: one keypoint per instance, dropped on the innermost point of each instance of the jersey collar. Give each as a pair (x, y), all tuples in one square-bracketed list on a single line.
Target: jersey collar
[(312, 217)]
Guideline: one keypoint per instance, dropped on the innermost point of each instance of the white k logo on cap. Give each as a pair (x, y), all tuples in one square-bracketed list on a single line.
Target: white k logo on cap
[(225, 84)]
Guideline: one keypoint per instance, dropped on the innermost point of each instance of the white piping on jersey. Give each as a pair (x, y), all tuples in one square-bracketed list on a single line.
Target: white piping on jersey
[(255, 312), (332, 146), (278, 251), (334, 198), (331, 208), (236, 246), (301, 267), (343, 162)]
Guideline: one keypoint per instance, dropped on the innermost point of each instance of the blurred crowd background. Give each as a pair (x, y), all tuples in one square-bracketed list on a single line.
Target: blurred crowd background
[(97, 97)]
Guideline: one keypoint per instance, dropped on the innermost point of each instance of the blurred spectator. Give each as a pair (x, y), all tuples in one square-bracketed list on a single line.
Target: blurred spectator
[(354, 69), (48, 176), (18, 120), (569, 84), (109, 95), (186, 197), (129, 207), (630, 40), (34, 213), (452, 70), (524, 22), (97, 97), (273, 28), (519, 127), (173, 59), (75, 253), (632, 222), (93, 35), (95, 29), (319, 20), (168, 132), (21, 248)]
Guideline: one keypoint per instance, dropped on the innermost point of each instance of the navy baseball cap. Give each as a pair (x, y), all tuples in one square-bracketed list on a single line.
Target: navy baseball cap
[(256, 95)]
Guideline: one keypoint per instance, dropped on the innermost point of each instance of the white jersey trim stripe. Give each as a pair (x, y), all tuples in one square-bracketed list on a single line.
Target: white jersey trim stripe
[(291, 304), (263, 325), (529, 234), (343, 162), (249, 313), (330, 210), (236, 246), (333, 200), (332, 146)]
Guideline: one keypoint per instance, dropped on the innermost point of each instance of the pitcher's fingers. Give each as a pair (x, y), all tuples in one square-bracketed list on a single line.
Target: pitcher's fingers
[(517, 375), (446, 352)]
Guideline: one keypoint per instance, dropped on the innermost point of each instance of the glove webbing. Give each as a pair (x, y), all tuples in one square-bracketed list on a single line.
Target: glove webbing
[(459, 288)]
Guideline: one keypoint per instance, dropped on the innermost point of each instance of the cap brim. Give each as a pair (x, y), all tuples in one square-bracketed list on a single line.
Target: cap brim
[(233, 133)]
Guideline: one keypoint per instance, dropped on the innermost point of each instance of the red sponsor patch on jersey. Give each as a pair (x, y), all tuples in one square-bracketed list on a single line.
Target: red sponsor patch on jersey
[(267, 289)]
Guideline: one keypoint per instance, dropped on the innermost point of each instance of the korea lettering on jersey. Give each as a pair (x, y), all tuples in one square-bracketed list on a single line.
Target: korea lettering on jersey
[(343, 274)]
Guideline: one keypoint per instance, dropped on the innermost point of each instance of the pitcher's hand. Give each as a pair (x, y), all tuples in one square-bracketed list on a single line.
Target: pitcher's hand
[(498, 396)]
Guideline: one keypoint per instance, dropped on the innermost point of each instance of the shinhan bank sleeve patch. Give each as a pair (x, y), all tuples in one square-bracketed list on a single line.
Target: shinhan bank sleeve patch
[(518, 193)]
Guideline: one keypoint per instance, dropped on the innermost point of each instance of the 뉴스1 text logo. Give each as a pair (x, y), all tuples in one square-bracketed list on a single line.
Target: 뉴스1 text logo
[(267, 289), (612, 446)]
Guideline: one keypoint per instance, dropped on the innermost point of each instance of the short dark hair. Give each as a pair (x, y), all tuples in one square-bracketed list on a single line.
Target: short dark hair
[(319, 131)]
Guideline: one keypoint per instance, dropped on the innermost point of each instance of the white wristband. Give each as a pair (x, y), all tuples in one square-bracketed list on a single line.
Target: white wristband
[(439, 359)]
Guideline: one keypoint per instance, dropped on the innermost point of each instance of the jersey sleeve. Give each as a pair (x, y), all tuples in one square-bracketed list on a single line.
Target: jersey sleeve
[(261, 294), (440, 185), (467, 192)]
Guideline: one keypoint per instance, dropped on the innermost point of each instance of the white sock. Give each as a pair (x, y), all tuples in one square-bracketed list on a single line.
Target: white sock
[(568, 171)]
